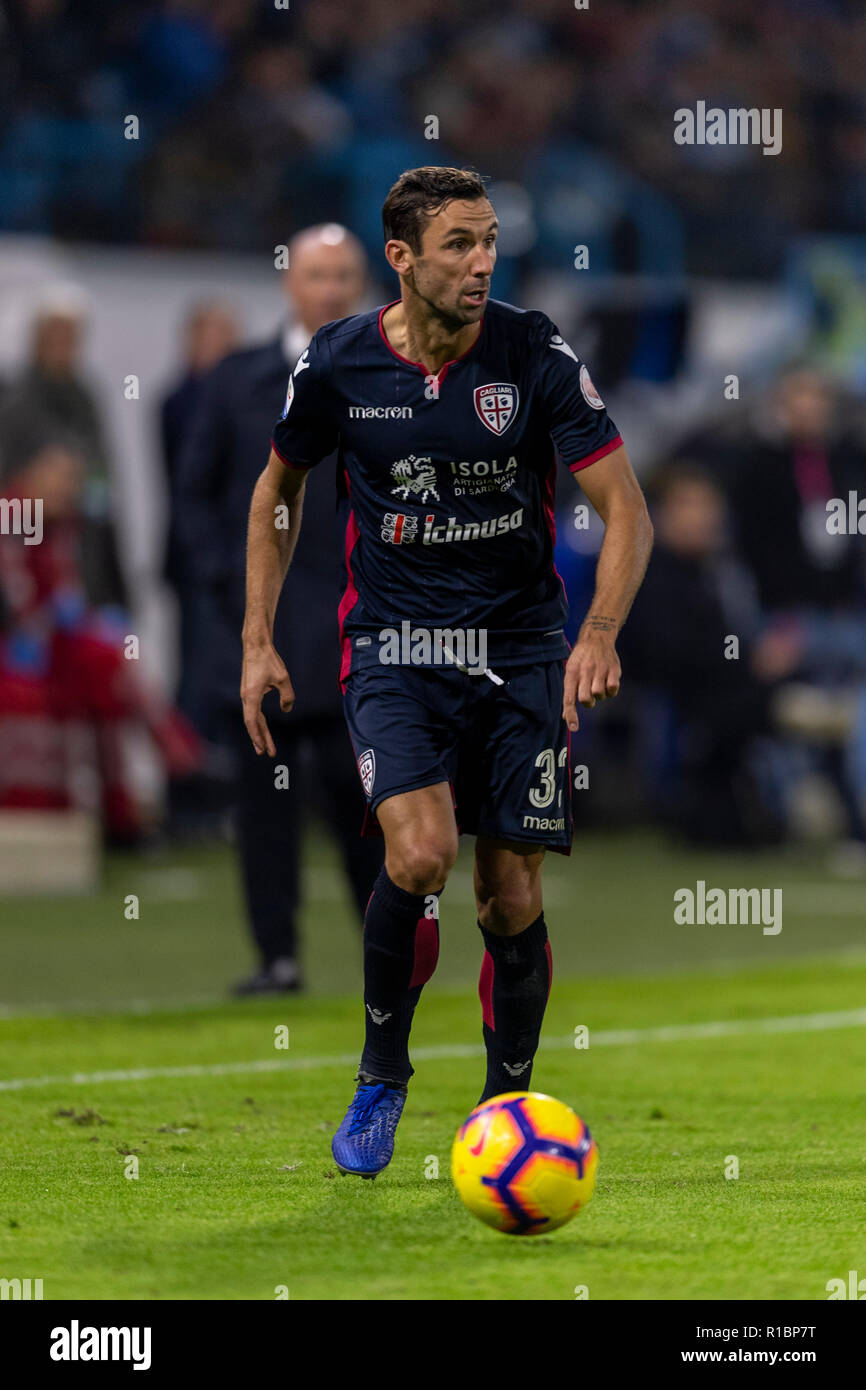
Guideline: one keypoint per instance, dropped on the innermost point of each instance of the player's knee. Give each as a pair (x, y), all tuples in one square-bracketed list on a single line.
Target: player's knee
[(422, 867), (507, 908)]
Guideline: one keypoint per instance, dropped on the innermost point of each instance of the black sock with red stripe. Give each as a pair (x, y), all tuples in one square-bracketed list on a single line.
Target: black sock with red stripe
[(516, 973), (401, 948)]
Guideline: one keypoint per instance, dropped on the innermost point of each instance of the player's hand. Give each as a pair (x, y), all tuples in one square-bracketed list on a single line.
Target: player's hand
[(263, 671), (592, 672)]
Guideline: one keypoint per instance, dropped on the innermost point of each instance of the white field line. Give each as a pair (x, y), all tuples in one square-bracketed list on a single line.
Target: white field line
[(620, 1037)]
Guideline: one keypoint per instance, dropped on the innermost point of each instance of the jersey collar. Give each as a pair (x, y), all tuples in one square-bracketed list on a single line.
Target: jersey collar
[(440, 376)]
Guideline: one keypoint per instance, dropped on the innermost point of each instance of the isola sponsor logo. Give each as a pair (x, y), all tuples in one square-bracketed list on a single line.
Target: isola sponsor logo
[(453, 530), (482, 468), (380, 412), (475, 478)]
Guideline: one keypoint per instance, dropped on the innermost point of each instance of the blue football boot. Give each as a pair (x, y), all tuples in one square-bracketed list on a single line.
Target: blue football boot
[(364, 1143)]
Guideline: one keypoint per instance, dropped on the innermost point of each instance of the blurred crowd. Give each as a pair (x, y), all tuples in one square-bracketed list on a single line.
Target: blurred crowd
[(745, 652), (73, 691), (70, 688), (255, 119)]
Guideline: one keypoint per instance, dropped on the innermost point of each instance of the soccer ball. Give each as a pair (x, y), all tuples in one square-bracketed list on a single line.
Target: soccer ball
[(524, 1163)]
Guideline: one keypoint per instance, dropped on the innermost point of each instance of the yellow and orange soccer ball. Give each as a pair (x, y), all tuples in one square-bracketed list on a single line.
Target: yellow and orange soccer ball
[(524, 1163)]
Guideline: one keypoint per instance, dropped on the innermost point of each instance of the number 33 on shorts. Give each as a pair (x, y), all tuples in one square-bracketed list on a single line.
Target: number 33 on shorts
[(550, 783)]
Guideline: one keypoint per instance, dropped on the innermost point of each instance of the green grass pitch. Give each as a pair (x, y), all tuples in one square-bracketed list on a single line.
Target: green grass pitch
[(118, 1052)]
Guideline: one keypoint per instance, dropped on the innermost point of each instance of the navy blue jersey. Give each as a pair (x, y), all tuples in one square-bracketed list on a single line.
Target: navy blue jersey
[(451, 478)]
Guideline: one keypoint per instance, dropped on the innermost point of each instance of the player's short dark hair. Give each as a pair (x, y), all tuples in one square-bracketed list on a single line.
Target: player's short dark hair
[(420, 193)]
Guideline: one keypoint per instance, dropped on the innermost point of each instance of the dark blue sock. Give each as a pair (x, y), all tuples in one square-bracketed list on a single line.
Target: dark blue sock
[(516, 973), (401, 947)]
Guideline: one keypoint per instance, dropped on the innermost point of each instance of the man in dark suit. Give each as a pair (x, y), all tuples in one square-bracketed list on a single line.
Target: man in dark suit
[(223, 457), (701, 713), (210, 333), (803, 453)]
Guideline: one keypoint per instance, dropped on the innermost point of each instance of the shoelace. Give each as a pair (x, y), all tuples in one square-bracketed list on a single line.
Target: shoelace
[(365, 1103)]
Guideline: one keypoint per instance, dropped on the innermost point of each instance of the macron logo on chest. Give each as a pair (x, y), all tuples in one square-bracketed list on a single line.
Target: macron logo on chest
[(380, 412)]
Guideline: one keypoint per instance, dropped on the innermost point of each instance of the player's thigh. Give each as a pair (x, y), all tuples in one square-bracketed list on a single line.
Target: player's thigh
[(519, 776), (420, 837), (508, 891), (401, 724)]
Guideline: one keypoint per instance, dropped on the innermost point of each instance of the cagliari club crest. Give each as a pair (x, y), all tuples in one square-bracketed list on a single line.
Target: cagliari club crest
[(496, 405), (367, 770)]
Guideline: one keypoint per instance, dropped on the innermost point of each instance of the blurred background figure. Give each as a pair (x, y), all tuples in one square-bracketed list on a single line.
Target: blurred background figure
[(50, 397), (801, 454), (803, 458), (238, 404), (703, 707), (51, 402), (70, 687), (210, 332)]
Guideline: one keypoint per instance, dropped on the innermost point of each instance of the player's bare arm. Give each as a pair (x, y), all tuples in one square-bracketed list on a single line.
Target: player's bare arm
[(593, 671), (269, 553)]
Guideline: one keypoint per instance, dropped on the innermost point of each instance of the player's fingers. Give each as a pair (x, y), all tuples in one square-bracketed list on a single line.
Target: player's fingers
[(598, 685), (251, 724), (569, 687), (569, 696), (569, 714), (605, 682), (584, 689), (264, 731), (286, 693), (257, 728)]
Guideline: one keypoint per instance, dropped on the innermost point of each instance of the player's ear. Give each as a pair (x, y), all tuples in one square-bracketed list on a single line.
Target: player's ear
[(399, 256)]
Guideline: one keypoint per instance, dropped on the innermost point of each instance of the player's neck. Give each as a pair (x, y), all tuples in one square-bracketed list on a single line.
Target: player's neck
[(420, 337)]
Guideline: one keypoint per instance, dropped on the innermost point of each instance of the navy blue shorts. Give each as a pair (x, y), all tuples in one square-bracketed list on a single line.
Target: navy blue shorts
[(503, 749)]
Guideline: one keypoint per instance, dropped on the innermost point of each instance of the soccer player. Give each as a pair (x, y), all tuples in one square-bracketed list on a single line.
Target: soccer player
[(449, 409)]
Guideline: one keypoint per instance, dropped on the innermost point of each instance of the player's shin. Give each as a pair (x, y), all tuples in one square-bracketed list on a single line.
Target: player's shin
[(516, 974), (401, 948)]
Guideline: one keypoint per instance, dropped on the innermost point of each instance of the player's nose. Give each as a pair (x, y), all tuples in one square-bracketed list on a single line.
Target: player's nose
[(482, 261)]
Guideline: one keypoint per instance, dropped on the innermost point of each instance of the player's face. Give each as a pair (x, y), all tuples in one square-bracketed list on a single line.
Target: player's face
[(458, 253)]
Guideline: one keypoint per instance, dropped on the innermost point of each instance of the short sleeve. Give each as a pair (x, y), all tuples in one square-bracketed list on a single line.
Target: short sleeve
[(577, 420), (305, 432)]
